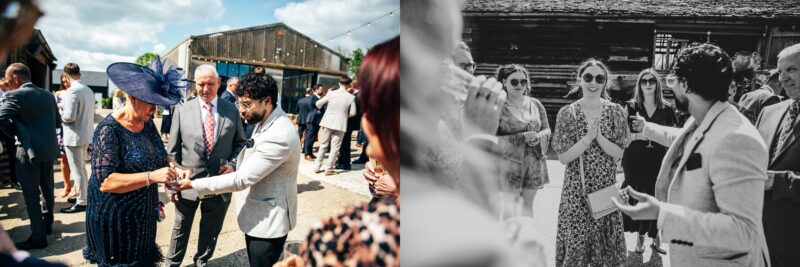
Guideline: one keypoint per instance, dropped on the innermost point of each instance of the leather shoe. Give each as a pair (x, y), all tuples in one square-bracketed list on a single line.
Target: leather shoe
[(358, 161), (17, 186), (344, 167), (31, 244), (309, 158), (317, 170), (75, 208), (330, 172), (72, 200)]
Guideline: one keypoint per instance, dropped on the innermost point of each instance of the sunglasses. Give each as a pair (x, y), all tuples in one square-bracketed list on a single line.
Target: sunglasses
[(651, 81), (600, 78), (515, 82), (17, 19)]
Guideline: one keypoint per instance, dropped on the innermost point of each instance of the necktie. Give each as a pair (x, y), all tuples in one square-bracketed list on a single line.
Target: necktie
[(786, 127), (209, 128)]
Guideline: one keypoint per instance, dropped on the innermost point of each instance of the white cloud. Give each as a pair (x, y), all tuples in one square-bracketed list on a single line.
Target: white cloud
[(323, 19), (159, 48), (95, 34), (221, 28)]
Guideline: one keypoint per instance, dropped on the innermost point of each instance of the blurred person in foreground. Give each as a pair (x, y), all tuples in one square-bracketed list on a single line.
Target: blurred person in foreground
[(445, 225), (15, 28), (710, 189), (370, 233), (778, 125)]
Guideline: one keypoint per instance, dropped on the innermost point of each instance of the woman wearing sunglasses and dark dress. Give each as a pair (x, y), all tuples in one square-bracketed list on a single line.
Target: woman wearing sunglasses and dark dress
[(642, 159), (595, 129), (523, 136)]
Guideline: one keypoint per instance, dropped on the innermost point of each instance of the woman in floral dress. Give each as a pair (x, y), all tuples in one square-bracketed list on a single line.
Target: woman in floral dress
[(523, 136), (593, 128)]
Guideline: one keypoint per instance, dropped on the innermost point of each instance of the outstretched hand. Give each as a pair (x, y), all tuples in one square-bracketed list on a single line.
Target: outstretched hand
[(646, 209), (485, 100)]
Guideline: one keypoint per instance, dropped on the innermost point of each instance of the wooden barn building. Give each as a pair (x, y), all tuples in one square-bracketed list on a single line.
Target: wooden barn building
[(552, 37), (36, 54), (296, 61)]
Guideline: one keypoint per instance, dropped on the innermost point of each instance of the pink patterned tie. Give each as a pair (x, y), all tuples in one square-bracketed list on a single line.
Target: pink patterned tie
[(209, 128)]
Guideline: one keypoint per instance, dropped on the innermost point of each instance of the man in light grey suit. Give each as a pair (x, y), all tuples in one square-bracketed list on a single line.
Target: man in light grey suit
[(266, 179), (710, 189), (78, 121), (205, 133), (341, 105)]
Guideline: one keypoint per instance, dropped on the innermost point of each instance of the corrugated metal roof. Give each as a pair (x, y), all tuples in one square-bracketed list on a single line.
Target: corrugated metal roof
[(90, 78), (661, 8)]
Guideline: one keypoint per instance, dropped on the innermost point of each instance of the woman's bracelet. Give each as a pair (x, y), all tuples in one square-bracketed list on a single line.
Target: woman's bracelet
[(148, 179)]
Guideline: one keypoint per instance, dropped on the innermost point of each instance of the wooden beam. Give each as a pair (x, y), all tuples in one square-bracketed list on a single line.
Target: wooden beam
[(270, 65)]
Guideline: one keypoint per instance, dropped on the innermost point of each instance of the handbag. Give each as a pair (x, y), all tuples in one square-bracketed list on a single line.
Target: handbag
[(599, 201)]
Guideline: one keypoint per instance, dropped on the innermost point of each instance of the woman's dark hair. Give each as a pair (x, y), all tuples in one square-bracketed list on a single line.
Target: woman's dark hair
[(707, 71), (379, 82), (258, 86), (506, 70), (585, 65)]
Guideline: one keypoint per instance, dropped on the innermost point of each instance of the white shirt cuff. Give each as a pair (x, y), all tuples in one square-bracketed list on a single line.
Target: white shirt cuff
[(487, 137), (20, 255), (662, 212)]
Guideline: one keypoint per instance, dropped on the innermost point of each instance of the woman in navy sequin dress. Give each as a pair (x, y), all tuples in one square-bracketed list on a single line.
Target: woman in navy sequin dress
[(128, 162)]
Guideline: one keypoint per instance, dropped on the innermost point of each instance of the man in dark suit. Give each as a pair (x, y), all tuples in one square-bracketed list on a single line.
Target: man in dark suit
[(206, 132), (30, 114), (313, 118), (778, 125), (353, 124), (230, 93), (753, 102), (303, 107)]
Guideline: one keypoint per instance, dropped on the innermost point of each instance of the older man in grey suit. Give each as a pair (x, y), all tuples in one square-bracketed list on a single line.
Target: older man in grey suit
[(341, 105), (710, 189), (266, 181), (78, 121), (778, 124), (206, 135)]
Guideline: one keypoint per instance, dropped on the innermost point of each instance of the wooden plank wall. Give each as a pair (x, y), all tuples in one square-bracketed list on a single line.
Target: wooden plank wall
[(551, 50), (261, 44)]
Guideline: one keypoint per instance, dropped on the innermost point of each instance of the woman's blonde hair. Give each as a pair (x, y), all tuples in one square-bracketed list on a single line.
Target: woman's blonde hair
[(118, 93)]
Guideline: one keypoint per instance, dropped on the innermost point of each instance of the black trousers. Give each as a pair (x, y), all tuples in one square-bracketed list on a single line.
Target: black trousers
[(311, 134), (343, 162), (264, 251), (11, 152), (36, 179), (213, 211)]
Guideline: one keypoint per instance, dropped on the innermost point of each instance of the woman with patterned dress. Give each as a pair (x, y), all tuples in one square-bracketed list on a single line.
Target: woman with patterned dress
[(65, 172), (128, 161), (595, 129), (642, 158), (523, 135)]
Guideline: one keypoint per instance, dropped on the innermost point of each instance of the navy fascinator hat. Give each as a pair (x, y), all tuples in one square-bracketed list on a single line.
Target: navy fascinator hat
[(159, 84)]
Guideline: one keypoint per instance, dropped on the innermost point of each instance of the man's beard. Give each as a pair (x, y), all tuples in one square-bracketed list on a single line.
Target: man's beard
[(681, 104), (256, 117)]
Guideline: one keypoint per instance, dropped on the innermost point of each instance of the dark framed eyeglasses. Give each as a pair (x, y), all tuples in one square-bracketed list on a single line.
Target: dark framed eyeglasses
[(651, 81), (467, 66), (247, 104), (521, 82), (600, 78), (17, 20)]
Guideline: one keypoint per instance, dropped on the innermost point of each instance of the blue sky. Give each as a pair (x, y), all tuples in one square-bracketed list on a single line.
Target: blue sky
[(96, 33)]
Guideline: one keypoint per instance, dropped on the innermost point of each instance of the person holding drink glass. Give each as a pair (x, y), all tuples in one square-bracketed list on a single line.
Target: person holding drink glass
[(642, 158)]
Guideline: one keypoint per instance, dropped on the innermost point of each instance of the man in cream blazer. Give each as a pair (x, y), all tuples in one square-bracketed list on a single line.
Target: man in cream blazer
[(710, 189), (78, 122), (341, 105), (266, 181)]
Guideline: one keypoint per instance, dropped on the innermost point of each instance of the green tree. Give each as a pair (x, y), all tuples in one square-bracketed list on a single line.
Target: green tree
[(145, 59), (355, 62)]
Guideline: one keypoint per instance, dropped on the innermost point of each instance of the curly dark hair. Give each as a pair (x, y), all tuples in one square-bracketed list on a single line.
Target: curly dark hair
[(707, 70), (258, 86)]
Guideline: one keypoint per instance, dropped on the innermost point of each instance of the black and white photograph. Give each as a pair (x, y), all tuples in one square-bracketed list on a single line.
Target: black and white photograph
[(600, 133)]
